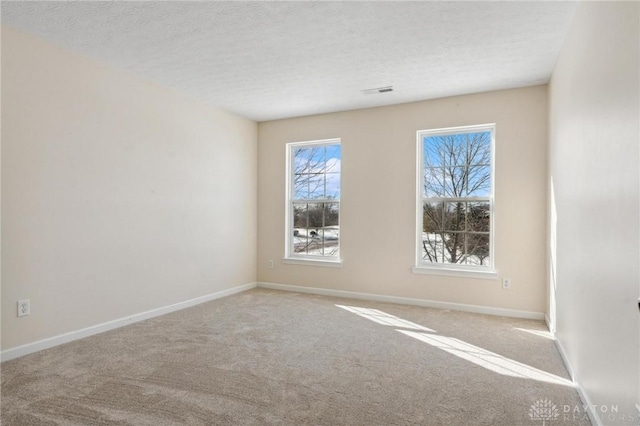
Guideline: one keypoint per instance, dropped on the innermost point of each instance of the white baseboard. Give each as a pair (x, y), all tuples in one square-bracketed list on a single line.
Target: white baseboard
[(406, 301), (586, 401), (50, 342), (547, 321)]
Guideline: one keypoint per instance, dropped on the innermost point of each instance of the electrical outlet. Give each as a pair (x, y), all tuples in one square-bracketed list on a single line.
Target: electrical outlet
[(506, 283), (270, 264), (24, 307)]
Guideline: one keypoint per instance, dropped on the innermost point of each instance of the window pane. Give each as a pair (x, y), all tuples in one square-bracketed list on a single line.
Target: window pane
[(332, 242), (300, 219), (332, 186), (308, 169), (479, 217), (478, 249), (432, 152), (300, 242), (454, 216), (316, 186), (479, 181), (479, 148), (314, 241), (432, 247), (316, 159), (332, 170), (300, 159), (331, 229), (331, 215), (333, 157), (433, 184), (432, 217), (299, 216), (455, 181), (300, 186), (454, 149), (453, 247), (316, 215)]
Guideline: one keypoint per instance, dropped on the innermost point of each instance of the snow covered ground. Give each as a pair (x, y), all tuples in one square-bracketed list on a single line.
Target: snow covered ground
[(317, 241), (435, 244)]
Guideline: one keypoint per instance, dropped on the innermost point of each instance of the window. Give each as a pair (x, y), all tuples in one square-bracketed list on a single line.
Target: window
[(455, 199), (313, 200)]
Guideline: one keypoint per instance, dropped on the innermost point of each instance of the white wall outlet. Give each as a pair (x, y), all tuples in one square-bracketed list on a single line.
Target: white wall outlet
[(506, 283), (270, 263), (24, 307)]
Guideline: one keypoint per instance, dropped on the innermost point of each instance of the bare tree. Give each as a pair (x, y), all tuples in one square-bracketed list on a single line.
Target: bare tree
[(308, 172), (456, 211)]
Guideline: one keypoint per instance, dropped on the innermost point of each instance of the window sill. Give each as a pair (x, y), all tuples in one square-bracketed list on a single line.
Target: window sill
[(313, 262), (450, 272)]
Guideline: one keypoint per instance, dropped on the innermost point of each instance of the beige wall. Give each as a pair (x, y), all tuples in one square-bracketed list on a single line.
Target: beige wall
[(118, 196), (378, 198), (594, 172)]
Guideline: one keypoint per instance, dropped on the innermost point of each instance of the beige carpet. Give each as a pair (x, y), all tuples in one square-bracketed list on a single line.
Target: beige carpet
[(269, 357)]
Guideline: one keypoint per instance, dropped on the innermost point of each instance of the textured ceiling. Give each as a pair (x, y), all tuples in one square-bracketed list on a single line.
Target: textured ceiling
[(268, 60)]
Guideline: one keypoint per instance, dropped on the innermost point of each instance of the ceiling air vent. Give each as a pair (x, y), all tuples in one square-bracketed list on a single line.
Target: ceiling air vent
[(378, 90)]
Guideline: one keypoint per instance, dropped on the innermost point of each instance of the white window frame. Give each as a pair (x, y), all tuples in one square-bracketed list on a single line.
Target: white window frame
[(305, 259), (451, 269)]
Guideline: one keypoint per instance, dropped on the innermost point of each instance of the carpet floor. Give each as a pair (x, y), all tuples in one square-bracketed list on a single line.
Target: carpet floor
[(265, 357)]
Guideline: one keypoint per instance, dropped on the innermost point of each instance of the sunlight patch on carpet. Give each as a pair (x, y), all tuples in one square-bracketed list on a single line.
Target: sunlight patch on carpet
[(479, 356), (384, 318), (489, 360)]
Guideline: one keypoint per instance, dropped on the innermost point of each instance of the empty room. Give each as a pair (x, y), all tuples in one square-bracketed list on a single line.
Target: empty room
[(320, 213)]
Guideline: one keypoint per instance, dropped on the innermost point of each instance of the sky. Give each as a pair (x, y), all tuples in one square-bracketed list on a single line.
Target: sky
[(457, 165), (317, 172)]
